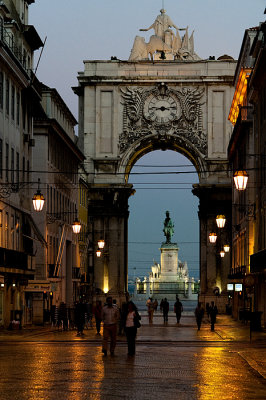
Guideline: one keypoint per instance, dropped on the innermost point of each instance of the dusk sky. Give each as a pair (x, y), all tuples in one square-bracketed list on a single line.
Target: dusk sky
[(90, 30)]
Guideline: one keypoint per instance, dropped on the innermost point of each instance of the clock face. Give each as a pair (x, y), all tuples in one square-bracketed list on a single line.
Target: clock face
[(161, 109)]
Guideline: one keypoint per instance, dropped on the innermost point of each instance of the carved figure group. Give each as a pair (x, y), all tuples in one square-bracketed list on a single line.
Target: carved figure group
[(164, 41)]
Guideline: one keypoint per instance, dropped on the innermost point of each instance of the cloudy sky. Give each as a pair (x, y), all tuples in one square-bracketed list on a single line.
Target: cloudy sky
[(98, 29)]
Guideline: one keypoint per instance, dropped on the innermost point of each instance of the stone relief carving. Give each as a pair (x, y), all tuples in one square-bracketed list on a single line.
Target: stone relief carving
[(165, 44), (163, 111)]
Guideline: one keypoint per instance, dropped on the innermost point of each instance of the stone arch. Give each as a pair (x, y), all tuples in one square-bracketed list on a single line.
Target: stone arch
[(174, 142)]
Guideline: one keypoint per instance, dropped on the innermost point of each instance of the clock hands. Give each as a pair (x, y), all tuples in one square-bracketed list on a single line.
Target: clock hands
[(162, 108)]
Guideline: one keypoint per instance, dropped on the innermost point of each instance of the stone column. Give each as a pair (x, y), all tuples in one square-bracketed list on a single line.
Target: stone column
[(214, 200), (108, 211)]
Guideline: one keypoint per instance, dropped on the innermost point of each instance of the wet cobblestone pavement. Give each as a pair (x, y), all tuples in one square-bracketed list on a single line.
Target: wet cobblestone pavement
[(172, 362)]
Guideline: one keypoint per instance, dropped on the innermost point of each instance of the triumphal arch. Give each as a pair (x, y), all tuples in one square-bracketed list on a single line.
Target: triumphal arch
[(163, 97)]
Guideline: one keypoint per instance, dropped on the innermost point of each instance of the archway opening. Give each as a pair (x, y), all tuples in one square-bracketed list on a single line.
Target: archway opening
[(163, 182)]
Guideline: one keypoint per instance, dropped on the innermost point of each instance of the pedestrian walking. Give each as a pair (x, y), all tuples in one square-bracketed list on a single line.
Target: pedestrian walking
[(109, 318), (131, 325), (161, 305), (149, 305), (178, 309), (213, 312), (62, 316), (80, 310), (155, 305), (98, 315), (122, 318), (208, 310), (199, 312), (165, 307)]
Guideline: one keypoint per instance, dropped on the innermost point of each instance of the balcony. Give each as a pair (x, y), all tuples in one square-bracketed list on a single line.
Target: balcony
[(13, 259), (237, 272)]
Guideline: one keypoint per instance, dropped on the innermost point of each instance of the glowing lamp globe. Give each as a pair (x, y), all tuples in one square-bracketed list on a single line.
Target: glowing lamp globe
[(38, 201), (212, 237), (76, 226), (220, 221), (101, 243), (226, 248), (241, 180), (98, 253)]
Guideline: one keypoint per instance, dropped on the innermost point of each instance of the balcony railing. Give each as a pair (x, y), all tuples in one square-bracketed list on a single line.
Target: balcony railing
[(8, 40)]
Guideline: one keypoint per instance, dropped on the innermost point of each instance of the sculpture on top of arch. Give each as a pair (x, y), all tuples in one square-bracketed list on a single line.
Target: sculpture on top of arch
[(165, 44)]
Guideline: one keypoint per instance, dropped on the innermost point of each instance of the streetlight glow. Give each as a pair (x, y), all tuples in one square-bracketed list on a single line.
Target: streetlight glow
[(241, 179)]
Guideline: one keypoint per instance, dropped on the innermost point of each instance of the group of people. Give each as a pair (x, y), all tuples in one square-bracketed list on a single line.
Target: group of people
[(128, 319), (211, 310), (111, 316), (164, 308)]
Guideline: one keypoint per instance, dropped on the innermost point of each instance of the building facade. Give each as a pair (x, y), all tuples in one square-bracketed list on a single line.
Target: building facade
[(247, 152), (19, 97), (56, 160)]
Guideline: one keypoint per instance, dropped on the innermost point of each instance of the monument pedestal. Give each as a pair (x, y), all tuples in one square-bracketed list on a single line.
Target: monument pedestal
[(169, 262)]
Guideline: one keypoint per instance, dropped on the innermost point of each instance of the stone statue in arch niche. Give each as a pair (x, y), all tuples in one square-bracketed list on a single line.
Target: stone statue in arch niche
[(168, 228)]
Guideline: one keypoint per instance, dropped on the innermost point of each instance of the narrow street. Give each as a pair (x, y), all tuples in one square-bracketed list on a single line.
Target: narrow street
[(172, 362)]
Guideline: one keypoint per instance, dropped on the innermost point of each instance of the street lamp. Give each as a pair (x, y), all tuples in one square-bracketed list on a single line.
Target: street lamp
[(212, 237), (101, 244), (98, 253), (226, 248), (220, 221), (38, 199), (76, 226), (241, 180)]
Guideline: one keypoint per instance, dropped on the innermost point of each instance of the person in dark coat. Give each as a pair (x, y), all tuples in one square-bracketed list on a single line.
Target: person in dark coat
[(80, 310), (98, 315), (178, 308), (131, 325), (165, 307), (213, 312), (199, 312)]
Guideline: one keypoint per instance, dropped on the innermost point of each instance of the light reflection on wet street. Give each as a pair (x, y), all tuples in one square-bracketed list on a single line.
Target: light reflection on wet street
[(78, 371)]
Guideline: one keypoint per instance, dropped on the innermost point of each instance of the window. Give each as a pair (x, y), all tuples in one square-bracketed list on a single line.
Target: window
[(1, 90), (17, 233), (1, 158), (7, 96), (12, 165), (13, 102), (23, 169), (12, 232), (1, 228), (17, 167), (24, 115), (1, 27), (28, 171), (18, 108), (6, 230), (7, 161)]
